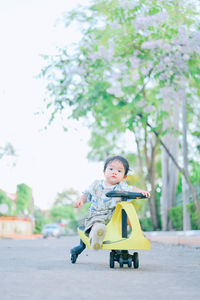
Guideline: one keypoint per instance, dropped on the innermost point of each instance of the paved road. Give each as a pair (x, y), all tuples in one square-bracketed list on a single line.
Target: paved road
[(41, 270)]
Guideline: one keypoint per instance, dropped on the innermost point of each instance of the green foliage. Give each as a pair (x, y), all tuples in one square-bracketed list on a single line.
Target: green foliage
[(24, 198), (81, 213), (158, 197), (102, 61), (128, 55), (195, 172), (73, 224), (195, 218), (66, 197), (39, 220), (5, 200), (67, 213), (62, 212), (146, 224), (176, 216), (179, 186)]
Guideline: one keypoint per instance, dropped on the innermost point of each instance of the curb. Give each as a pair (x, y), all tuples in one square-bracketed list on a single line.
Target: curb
[(21, 236), (190, 237)]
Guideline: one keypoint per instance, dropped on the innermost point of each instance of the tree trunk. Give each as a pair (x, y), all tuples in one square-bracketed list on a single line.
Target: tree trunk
[(191, 187), (185, 190), (169, 170), (152, 179), (164, 199), (150, 163)]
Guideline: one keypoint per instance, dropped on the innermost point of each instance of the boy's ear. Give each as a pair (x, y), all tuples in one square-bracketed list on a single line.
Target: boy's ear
[(125, 176)]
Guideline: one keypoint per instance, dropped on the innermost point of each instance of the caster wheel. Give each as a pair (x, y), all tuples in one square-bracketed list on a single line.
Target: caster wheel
[(129, 262), (73, 258), (135, 260), (112, 261), (121, 262)]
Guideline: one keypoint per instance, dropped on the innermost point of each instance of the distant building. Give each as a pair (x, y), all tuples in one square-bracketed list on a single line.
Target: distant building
[(11, 196), (14, 225)]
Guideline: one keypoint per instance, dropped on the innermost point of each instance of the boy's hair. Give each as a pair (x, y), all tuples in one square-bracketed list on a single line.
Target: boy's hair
[(123, 160)]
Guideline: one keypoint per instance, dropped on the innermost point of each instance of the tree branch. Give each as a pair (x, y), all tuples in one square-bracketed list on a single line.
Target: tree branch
[(182, 170)]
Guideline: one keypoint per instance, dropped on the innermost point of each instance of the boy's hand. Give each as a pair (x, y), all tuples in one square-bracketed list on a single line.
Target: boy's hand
[(78, 203), (81, 201), (145, 193)]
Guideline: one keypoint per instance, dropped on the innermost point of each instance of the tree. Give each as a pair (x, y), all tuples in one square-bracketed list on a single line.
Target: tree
[(63, 208), (67, 197), (39, 220), (24, 199), (5, 200), (133, 56)]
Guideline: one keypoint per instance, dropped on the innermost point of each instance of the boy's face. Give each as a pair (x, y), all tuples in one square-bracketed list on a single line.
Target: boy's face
[(114, 172)]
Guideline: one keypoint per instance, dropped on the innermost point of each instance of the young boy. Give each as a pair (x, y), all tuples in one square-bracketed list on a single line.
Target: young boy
[(101, 210)]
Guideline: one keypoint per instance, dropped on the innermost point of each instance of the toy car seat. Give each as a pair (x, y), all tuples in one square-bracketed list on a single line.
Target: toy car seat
[(117, 238)]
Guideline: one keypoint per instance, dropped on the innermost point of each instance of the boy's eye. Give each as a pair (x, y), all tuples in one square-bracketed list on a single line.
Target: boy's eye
[(119, 171), (111, 169)]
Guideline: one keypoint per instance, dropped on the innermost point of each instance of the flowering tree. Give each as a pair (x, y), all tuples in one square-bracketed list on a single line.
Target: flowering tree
[(129, 72)]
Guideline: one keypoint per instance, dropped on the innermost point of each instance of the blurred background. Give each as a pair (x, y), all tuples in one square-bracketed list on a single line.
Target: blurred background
[(86, 80)]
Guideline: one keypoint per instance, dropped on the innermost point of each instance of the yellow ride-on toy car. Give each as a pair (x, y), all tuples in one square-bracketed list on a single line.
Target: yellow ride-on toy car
[(117, 238)]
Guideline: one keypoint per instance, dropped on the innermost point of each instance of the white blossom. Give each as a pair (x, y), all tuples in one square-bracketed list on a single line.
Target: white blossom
[(126, 81), (148, 109), (115, 74), (114, 25), (102, 52), (142, 103), (110, 90), (186, 57), (93, 56), (135, 61), (122, 67), (150, 65), (167, 59), (118, 93), (143, 22), (167, 93), (144, 71), (128, 4), (167, 47), (115, 89), (152, 44), (135, 76)]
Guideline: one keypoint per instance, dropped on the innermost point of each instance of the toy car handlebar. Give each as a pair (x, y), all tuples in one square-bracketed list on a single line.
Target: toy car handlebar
[(125, 195)]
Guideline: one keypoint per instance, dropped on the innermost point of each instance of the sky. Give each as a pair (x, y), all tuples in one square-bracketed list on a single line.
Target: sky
[(49, 161)]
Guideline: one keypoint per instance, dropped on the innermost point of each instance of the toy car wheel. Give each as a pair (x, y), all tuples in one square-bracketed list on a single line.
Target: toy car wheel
[(73, 258), (135, 260), (112, 261), (129, 262), (121, 262)]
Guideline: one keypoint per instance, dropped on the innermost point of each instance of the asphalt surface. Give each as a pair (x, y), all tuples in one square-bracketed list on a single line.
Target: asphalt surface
[(40, 269)]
